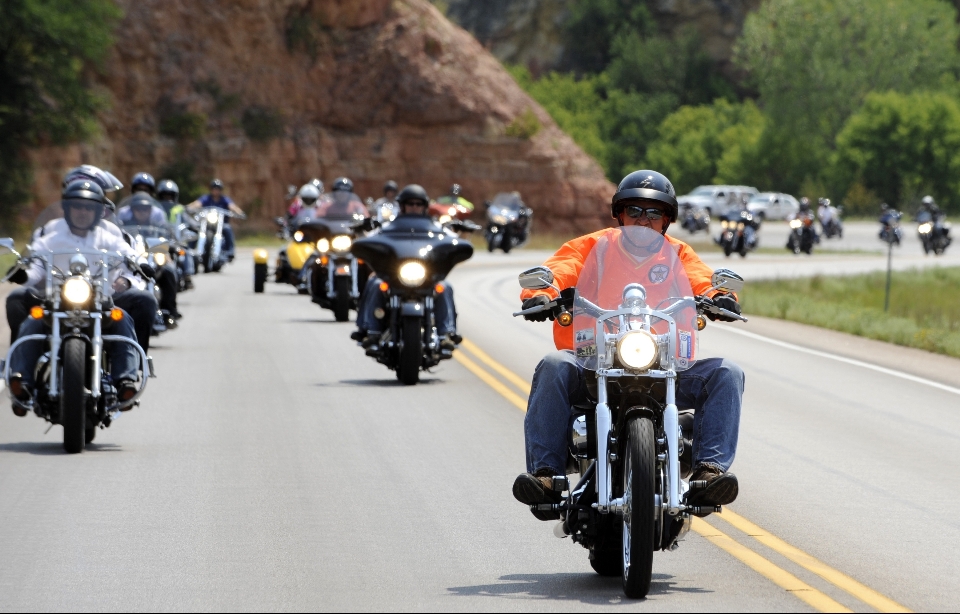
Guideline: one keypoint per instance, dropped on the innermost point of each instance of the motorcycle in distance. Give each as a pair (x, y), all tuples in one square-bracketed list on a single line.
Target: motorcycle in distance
[(738, 232), (210, 239), (74, 387), (301, 244), (508, 222), (333, 275), (635, 325), (411, 255), (802, 233), (834, 225), (694, 219), (890, 230), (145, 238), (934, 232)]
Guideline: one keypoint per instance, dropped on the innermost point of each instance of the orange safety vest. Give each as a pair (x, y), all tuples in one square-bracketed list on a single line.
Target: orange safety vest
[(567, 263)]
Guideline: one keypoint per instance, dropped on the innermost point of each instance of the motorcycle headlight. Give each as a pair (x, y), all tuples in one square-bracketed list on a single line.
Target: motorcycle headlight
[(925, 228), (637, 350), (77, 291), (412, 273), (724, 224), (323, 246), (444, 219), (795, 223), (160, 259), (341, 243), (298, 236), (499, 219), (740, 226), (212, 217)]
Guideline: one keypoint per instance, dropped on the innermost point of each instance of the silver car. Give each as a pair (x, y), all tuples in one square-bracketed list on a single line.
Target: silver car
[(773, 206), (718, 199)]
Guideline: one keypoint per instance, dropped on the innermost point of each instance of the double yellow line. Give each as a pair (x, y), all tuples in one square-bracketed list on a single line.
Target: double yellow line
[(515, 389)]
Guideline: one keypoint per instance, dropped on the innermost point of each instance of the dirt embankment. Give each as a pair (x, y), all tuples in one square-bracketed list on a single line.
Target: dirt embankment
[(265, 94)]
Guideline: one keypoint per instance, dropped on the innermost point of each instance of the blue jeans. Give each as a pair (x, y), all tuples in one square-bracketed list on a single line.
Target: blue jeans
[(227, 239), (124, 360), (444, 311), (713, 387)]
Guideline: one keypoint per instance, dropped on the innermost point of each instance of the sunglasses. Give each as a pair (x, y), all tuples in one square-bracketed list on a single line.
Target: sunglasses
[(414, 203), (88, 208), (636, 211)]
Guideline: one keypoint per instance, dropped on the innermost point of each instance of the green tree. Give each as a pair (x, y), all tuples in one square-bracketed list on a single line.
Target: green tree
[(900, 146), (592, 27), (47, 49), (708, 143), (813, 63)]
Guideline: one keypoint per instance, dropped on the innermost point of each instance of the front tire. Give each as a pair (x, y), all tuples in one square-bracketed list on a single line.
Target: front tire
[(341, 302), (639, 522), (259, 277), (411, 351), (73, 395)]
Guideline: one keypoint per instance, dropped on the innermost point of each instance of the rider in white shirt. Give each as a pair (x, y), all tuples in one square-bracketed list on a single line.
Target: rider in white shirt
[(83, 206)]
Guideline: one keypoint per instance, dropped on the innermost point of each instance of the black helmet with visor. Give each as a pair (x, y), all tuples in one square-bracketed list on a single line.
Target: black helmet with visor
[(645, 185), (85, 194)]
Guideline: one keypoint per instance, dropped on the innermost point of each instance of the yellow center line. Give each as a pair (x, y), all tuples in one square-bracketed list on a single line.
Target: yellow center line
[(491, 381), (758, 563), (782, 578), (506, 373), (801, 558)]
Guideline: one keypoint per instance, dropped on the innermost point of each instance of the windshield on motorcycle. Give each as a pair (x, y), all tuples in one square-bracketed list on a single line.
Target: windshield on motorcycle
[(343, 205), (505, 208), (635, 271)]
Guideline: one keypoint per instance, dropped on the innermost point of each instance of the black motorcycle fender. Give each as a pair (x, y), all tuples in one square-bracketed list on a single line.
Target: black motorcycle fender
[(411, 308)]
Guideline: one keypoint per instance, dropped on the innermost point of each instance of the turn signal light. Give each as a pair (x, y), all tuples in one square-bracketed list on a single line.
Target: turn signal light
[(565, 318), (359, 260), (701, 322), (36, 312), (384, 286), (438, 288), (116, 314), (324, 260)]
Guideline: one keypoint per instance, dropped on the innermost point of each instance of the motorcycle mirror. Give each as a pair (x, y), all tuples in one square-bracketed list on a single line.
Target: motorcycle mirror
[(537, 278), (155, 246), (727, 280)]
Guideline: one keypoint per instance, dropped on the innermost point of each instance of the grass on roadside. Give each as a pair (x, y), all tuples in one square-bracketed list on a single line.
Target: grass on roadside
[(924, 306)]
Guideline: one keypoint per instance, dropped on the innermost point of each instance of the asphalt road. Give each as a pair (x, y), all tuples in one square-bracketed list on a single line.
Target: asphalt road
[(272, 466)]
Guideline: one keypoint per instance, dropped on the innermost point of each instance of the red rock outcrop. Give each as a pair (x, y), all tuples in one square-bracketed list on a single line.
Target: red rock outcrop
[(371, 89)]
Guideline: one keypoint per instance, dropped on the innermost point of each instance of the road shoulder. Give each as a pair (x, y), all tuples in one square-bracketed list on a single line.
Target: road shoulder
[(936, 367)]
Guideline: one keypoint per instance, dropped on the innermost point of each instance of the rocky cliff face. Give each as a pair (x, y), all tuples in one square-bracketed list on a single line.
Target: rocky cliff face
[(265, 94), (530, 32)]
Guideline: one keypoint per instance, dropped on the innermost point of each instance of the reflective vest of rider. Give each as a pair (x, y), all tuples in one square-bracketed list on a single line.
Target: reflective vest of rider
[(568, 261)]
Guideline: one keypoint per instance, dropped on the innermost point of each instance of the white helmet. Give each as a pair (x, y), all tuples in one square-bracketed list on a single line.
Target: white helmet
[(309, 194)]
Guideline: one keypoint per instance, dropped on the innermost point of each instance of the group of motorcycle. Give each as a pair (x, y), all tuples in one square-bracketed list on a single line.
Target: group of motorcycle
[(933, 229), (342, 253), (77, 297)]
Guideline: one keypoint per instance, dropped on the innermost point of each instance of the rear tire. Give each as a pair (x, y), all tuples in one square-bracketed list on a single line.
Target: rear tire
[(259, 277), (639, 522), (73, 395), (341, 303), (411, 350)]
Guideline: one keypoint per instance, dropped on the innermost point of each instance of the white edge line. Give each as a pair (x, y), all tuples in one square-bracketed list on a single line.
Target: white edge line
[(849, 361)]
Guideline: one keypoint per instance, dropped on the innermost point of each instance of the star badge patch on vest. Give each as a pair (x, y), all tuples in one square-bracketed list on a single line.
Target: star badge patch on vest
[(658, 273)]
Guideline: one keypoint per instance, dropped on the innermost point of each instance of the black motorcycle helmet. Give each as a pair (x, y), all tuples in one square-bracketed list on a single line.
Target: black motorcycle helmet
[(391, 186), (143, 180), (455, 189), (168, 190), (216, 183), (413, 192), (342, 184), (85, 193), (106, 180), (804, 204), (646, 185)]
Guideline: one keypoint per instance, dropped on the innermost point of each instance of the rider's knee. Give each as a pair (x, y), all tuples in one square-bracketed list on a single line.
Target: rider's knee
[(731, 372), (558, 364)]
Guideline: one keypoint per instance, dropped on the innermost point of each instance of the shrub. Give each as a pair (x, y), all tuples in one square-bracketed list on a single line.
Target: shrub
[(262, 123), (184, 125), (524, 126)]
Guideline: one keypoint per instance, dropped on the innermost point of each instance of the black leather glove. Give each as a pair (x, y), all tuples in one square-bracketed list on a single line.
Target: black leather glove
[(725, 301), (541, 316), (148, 270), (19, 278)]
